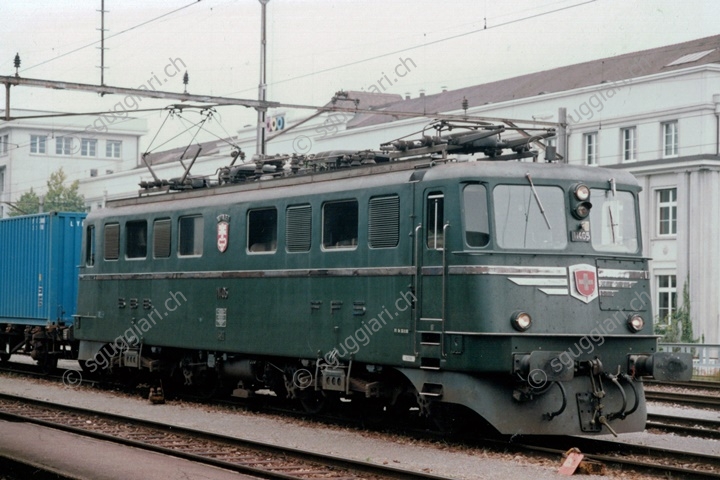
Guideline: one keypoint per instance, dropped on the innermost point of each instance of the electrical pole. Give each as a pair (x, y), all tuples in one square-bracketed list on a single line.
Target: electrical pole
[(102, 42), (260, 144)]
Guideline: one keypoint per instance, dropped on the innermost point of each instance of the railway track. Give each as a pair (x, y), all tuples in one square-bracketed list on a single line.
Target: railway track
[(624, 456), (259, 459), (613, 454), (684, 426), (703, 401)]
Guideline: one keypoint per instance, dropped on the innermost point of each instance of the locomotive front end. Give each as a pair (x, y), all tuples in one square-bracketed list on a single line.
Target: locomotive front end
[(550, 314)]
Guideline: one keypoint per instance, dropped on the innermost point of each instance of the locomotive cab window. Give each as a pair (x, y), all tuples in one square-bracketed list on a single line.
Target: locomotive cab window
[(111, 244), (475, 215), (613, 225), (340, 224), (161, 237), (136, 239), (262, 230), (435, 220), (190, 239), (90, 245), (530, 217)]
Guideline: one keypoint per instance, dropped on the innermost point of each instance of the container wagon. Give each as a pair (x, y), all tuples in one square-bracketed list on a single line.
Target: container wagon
[(39, 258)]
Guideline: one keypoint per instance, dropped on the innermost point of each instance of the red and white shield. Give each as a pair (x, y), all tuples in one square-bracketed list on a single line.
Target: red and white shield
[(223, 234), (583, 282)]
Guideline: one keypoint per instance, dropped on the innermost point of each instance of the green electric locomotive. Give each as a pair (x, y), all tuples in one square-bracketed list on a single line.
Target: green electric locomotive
[(398, 278)]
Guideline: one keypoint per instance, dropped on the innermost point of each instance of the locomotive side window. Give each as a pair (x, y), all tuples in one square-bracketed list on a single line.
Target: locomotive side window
[(475, 214), (136, 239), (190, 241), (90, 246), (298, 228), (529, 222), (340, 224), (384, 222), (162, 230), (262, 230), (435, 220), (613, 226), (112, 241)]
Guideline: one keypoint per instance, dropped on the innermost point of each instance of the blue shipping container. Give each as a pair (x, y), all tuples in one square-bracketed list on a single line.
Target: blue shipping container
[(39, 258)]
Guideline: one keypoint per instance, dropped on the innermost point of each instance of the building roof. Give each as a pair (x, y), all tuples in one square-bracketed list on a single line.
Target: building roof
[(606, 70)]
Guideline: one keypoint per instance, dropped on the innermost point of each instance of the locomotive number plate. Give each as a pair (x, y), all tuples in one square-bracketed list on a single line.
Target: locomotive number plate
[(580, 236)]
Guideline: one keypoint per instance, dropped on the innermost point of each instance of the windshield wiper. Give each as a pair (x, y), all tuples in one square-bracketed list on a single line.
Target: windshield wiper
[(612, 224), (537, 199)]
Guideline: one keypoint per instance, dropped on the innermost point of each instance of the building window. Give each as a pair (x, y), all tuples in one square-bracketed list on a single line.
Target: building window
[(63, 145), (590, 140), (2, 180), (666, 297), (88, 147), (629, 144), (4, 144), (670, 139), (340, 224), (37, 143), (113, 148), (667, 211)]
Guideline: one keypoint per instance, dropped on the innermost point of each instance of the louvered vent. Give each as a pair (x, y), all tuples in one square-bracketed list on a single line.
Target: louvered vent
[(298, 228), (161, 238), (384, 222), (112, 241)]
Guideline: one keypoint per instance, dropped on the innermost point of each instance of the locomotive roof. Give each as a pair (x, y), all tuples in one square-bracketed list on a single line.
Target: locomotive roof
[(362, 178)]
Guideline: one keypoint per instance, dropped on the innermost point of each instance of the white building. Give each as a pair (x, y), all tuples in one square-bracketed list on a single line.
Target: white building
[(83, 146), (655, 113)]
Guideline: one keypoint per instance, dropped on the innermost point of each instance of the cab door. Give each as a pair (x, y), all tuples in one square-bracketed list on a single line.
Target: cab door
[(431, 256)]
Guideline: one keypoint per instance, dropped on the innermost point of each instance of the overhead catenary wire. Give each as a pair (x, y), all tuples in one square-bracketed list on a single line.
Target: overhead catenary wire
[(110, 36)]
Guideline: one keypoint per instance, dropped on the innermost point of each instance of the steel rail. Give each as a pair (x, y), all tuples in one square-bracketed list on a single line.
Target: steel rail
[(348, 466), (682, 398), (695, 427)]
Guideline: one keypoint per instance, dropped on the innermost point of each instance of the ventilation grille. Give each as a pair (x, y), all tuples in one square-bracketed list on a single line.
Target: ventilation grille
[(298, 228), (384, 222)]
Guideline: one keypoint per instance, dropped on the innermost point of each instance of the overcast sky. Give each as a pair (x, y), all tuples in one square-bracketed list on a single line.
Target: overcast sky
[(316, 47)]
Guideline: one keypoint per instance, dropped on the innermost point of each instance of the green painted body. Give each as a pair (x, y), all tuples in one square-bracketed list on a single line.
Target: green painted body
[(407, 306)]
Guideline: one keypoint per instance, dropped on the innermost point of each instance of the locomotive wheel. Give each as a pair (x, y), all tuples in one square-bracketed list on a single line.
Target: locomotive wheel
[(449, 418), (313, 401)]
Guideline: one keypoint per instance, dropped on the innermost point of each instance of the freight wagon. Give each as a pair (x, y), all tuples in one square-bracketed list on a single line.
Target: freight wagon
[(39, 258)]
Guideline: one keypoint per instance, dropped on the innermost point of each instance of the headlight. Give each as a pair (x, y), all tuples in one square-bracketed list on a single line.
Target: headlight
[(582, 210), (635, 323), (521, 321), (582, 192)]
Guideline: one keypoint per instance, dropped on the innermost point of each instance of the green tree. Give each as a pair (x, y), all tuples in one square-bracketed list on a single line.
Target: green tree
[(59, 198), (28, 203), (680, 328)]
